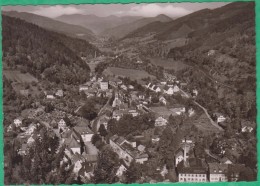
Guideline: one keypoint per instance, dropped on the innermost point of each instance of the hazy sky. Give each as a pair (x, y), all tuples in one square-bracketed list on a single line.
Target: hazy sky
[(147, 10)]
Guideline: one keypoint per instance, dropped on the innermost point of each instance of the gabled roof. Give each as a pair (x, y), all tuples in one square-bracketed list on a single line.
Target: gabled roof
[(82, 130), (72, 143), (217, 168)]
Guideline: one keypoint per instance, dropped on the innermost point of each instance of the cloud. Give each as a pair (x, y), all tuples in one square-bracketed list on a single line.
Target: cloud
[(151, 10), (55, 11)]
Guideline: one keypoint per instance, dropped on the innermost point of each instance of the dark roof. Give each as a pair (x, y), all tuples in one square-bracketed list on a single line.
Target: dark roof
[(82, 130), (218, 168), (192, 166), (72, 143), (235, 168)]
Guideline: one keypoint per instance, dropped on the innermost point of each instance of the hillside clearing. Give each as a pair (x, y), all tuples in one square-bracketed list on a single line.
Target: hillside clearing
[(168, 63), (17, 76), (131, 73)]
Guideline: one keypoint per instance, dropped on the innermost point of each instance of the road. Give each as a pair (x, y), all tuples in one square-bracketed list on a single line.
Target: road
[(205, 110), (211, 120)]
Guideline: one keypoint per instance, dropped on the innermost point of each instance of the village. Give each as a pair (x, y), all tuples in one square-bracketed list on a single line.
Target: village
[(163, 102)]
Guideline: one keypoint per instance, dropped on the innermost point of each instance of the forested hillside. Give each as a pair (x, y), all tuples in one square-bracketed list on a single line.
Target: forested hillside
[(54, 25), (44, 54)]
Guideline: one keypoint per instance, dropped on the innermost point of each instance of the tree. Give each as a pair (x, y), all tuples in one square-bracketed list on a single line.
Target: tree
[(133, 173), (49, 107), (105, 171), (95, 138), (102, 130)]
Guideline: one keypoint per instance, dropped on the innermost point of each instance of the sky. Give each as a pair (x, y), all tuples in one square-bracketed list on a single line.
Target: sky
[(145, 10)]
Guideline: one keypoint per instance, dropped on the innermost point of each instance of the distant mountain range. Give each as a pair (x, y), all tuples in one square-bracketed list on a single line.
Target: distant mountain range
[(95, 23), (194, 22), (54, 25), (124, 29)]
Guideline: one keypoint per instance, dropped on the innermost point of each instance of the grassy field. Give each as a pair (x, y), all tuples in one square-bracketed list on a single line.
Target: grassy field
[(19, 77), (131, 73), (168, 63)]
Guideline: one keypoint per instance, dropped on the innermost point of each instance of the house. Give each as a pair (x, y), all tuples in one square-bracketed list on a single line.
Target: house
[(211, 52), (62, 126), (160, 121), (172, 90), (83, 132), (73, 145), (162, 100), (91, 92), (193, 170), (77, 160), (18, 121), (30, 140), (178, 109), (191, 112), (30, 130), (23, 149), (195, 93), (179, 156), (86, 172), (163, 82), (24, 92), (103, 85), (123, 87), (141, 148), (59, 93), (218, 172), (247, 126), (83, 87), (133, 112), (121, 170), (117, 114), (131, 87), (127, 150), (219, 117), (234, 171), (157, 89), (104, 121), (225, 160)]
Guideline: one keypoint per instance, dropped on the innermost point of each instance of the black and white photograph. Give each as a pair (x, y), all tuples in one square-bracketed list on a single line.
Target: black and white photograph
[(129, 93)]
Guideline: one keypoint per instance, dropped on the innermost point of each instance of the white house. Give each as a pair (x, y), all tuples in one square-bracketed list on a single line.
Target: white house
[(179, 156), (83, 87), (247, 126), (103, 85), (218, 172), (121, 170), (160, 121), (50, 96), (124, 87), (31, 129), (62, 125), (220, 117), (18, 122), (163, 100), (195, 92), (172, 90), (59, 93)]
